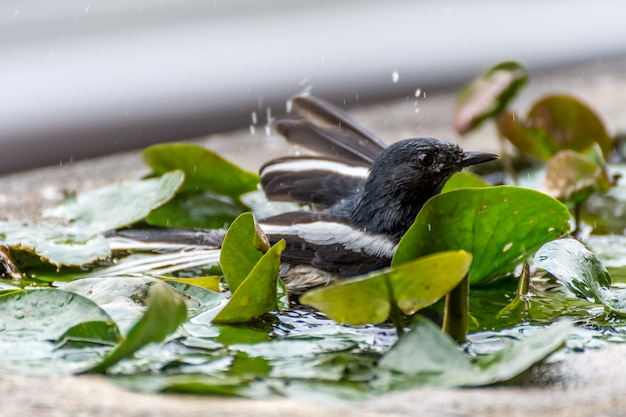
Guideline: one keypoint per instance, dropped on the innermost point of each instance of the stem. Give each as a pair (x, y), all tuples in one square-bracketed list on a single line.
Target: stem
[(523, 284), (577, 214), (456, 311), (507, 162), (394, 313)]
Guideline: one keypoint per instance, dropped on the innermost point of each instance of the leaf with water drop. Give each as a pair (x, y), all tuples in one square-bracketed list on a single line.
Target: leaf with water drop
[(499, 226)]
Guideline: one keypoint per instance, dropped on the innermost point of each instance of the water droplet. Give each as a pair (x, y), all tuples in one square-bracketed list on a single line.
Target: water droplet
[(429, 227), (507, 247), (417, 110), (395, 76), (289, 106), (254, 118), (252, 130), (418, 92)]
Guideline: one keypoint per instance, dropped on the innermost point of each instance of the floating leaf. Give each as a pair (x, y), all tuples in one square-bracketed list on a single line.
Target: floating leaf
[(576, 267), (242, 248), (166, 311), (411, 286), (196, 210), (57, 244), (211, 283), (498, 225), (464, 179), (35, 323), (427, 356), (488, 95), (257, 294), (117, 205), (555, 123), (204, 170), (572, 177)]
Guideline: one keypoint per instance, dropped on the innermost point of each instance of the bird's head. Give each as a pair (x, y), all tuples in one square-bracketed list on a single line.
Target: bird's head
[(404, 176)]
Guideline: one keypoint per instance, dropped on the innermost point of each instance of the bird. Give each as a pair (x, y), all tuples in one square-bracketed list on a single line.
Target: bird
[(363, 195)]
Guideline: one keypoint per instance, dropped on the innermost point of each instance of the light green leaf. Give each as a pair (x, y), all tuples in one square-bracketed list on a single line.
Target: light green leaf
[(57, 244), (427, 356), (500, 226), (257, 294), (117, 205), (411, 286), (204, 170), (464, 179), (36, 324), (242, 248)]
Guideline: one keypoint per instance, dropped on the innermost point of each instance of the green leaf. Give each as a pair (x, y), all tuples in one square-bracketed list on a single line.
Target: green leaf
[(166, 311), (464, 179), (196, 210), (117, 205), (576, 267), (555, 123), (571, 177), (204, 170), (256, 295), (57, 244), (500, 226), (36, 322), (427, 356), (488, 95), (242, 248), (411, 286)]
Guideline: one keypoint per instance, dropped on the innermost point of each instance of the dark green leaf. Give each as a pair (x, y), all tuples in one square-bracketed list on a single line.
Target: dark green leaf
[(498, 225), (196, 210), (204, 170), (242, 248), (257, 294), (117, 205), (166, 311), (488, 95), (413, 285), (555, 123)]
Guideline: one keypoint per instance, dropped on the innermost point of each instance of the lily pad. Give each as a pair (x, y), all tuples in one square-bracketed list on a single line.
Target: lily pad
[(204, 170), (166, 311), (555, 123), (576, 267), (37, 323), (500, 226), (488, 95), (257, 294), (57, 244), (427, 356), (117, 205), (411, 286)]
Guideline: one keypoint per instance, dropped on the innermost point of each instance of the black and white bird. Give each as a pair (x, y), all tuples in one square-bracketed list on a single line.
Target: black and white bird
[(363, 194)]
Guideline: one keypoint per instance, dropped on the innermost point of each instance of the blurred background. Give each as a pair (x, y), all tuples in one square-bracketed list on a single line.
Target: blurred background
[(84, 78)]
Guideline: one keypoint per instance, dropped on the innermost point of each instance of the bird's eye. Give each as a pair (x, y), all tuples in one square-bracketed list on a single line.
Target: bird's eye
[(426, 160)]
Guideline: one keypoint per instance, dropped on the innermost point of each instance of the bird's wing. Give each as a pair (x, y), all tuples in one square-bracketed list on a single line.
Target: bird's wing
[(328, 242), (311, 180)]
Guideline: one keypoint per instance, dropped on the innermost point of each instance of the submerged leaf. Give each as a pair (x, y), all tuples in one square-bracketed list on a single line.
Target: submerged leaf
[(411, 286), (488, 95), (117, 205), (576, 267), (204, 170), (498, 225), (427, 356), (166, 311)]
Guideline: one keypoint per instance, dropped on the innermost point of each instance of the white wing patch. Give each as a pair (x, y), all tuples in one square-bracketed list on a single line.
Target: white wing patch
[(316, 164)]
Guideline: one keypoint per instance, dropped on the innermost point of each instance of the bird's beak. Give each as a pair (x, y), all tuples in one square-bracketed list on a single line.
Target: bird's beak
[(475, 158)]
